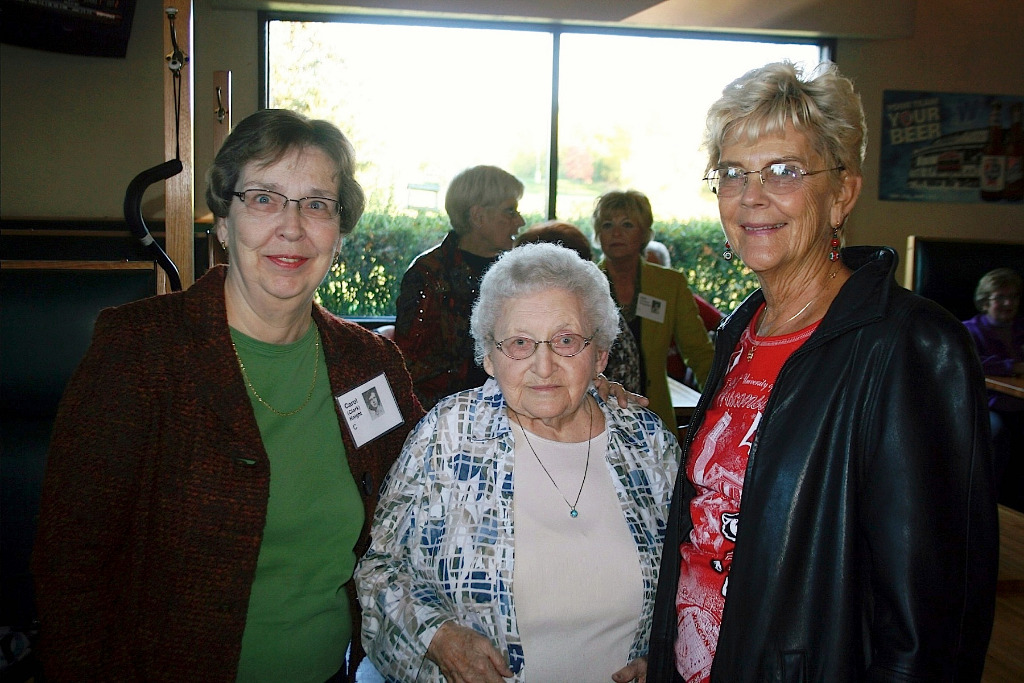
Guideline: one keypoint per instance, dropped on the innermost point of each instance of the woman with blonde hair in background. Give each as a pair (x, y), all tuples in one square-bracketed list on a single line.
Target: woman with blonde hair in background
[(656, 302)]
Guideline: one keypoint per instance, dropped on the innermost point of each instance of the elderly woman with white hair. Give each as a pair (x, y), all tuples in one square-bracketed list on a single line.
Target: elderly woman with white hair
[(514, 505)]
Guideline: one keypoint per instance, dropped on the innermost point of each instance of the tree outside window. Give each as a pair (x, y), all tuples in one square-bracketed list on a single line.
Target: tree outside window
[(422, 102)]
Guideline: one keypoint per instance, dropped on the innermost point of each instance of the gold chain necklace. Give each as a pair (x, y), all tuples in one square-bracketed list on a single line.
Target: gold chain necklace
[(572, 506), (309, 394)]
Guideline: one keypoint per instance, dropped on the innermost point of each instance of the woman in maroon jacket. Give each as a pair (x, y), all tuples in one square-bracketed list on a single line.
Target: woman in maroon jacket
[(214, 469)]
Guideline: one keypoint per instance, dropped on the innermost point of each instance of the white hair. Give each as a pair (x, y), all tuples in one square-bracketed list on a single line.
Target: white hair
[(532, 268)]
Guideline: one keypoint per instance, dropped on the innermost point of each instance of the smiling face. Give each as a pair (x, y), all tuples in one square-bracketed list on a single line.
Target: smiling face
[(277, 261), (1002, 305), (545, 386), (783, 235)]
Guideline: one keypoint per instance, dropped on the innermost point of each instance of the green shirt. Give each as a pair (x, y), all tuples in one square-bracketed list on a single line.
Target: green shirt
[(299, 621)]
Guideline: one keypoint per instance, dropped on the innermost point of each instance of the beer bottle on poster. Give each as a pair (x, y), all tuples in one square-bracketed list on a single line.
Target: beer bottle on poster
[(1014, 147), (993, 160)]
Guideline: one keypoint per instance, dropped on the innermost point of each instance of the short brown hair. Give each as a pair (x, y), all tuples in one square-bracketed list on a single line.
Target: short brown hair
[(558, 232), (268, 136)]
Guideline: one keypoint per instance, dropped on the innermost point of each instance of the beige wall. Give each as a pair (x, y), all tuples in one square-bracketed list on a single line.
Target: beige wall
[(74, 130)]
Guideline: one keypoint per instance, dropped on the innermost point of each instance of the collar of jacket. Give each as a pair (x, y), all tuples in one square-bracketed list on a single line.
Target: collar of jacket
[(490, 419), (863, 299), (450, 253)]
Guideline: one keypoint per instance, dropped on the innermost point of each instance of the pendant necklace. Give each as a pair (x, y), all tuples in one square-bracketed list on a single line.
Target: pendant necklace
[(572, 506), (754, 343), (309, 394)]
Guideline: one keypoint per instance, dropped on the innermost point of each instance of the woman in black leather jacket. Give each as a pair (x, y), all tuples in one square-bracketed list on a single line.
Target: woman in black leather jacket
[(834, 517)]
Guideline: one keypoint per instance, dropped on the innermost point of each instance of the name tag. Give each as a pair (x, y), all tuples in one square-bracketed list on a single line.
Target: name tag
[(651, 308), (370, 410)]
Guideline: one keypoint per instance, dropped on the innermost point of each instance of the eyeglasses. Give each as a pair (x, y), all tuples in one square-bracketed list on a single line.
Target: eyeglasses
[(1004, 298), (565, 345), (776, 178), (508, 212), (266, 202)]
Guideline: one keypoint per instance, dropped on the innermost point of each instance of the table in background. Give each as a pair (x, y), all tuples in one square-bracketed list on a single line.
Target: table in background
[(1014, 386), (684, 400)]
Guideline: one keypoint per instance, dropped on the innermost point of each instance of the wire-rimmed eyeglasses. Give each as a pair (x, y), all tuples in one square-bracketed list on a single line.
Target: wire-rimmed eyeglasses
[(265, 202), (565, 345), (508, 211), (776, 178)]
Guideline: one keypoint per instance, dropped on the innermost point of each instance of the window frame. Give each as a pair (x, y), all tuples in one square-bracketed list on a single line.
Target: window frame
[(826, 45)]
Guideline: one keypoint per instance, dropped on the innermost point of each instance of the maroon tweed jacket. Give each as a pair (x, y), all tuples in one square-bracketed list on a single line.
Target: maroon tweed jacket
[(156, 488)]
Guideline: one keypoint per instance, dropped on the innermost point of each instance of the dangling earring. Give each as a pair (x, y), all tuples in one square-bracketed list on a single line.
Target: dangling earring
[(224, 246), (834, 255), (727, 254)]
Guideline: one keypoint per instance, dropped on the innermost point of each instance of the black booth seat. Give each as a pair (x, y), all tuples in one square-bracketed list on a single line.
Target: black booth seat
[(46, 321), (947, 270)]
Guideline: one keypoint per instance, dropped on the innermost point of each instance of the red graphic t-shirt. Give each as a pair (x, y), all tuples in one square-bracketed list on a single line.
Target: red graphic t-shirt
[(716, 465)]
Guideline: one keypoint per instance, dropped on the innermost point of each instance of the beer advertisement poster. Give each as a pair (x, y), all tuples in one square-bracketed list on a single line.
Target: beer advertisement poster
[(949, 147)]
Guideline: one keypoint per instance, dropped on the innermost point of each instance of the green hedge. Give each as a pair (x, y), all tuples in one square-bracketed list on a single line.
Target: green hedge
[(696, 248), (366, 280)]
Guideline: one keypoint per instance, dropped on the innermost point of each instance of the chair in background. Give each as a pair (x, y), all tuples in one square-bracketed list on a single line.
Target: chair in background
[(46, 322), (947, 270)]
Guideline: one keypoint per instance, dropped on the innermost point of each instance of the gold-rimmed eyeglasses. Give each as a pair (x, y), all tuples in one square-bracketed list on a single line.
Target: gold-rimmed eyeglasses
[(776, 178), (565, 345), (266, 202)]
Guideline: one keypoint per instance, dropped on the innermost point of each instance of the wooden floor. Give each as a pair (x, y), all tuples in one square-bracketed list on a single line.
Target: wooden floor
[(1005, 660)]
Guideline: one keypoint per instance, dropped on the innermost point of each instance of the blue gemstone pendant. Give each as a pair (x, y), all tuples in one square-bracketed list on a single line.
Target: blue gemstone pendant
[(573, 513)]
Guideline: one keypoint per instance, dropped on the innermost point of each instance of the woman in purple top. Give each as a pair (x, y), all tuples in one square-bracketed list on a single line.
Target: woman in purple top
[(999, 335)]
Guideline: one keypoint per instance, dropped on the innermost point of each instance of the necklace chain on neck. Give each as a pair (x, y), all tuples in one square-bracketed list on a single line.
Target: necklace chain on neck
[(572, 506), (753, 341), (263, 402)]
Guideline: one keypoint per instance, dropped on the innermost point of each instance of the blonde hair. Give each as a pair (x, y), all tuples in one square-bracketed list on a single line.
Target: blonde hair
[(1000, 278), (634, 204), (478, 186), (822, 105)]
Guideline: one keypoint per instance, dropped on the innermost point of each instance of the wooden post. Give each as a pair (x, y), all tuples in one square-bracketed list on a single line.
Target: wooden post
[(221, 128), (178, 142)]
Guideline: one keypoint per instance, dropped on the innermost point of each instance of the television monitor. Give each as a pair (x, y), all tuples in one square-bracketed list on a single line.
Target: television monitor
[(97, 28)]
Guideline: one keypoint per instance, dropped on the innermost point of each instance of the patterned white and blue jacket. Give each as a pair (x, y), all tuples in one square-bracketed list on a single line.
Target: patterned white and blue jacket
[(442, 539)]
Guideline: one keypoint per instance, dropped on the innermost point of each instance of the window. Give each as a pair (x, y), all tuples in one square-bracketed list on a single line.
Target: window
[(421, 102)]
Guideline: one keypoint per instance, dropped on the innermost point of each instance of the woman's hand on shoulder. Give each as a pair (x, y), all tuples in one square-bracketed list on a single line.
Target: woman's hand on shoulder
[(634, 671), (605, 388), (465, 656)]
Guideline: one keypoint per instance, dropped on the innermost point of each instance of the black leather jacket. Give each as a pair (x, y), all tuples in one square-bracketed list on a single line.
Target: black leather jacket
[(868, 537)]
